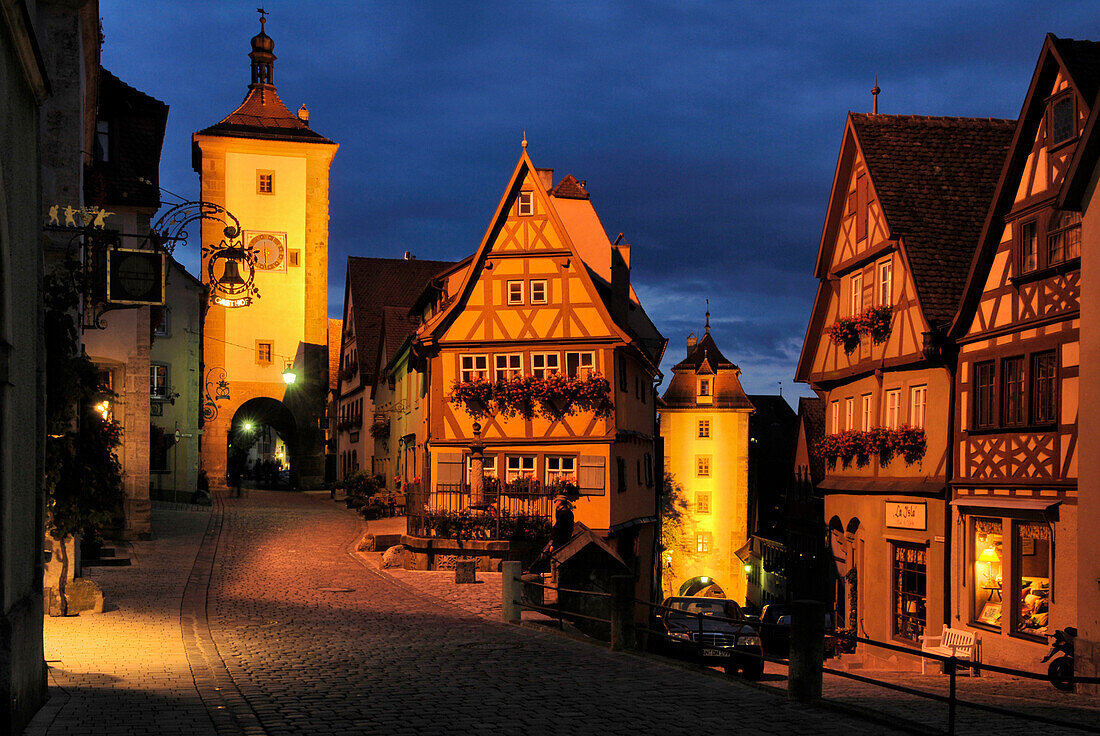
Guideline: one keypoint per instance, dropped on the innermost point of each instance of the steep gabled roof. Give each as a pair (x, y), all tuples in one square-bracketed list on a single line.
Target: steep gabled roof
[(811, 412), (934, 178), (1081, 61), (263, 115), (377, 283), (706, 358), (569, 188)]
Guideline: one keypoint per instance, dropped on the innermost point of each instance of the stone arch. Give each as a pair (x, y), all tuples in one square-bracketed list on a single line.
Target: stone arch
[(702, 585), (248, 418)]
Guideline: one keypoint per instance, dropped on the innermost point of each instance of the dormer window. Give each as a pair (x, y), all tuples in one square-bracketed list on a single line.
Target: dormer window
[(704, 387), (525, 205), (1063, 126)]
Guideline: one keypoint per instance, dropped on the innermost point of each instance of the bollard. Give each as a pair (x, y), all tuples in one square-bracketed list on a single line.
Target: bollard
[(807, 651), (465, 571), (511, 591), (622, 613)]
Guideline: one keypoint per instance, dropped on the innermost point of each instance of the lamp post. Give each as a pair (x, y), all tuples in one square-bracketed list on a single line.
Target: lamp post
[(477, 470)]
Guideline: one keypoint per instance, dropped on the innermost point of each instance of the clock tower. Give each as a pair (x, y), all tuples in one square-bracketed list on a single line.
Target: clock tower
[(267, 167)]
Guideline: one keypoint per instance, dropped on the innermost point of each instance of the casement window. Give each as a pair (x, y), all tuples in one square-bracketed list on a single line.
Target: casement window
[(910, 570), (263, 352), (515, 292), (508, 366), (850, 413), (985, 402), (265, 182), (702, 502), (703, 429), (702, 542), (561, 468), (163, 327), (702, 466), (102, 151), (1063, 237), (1044, 388), (1028, 244), (1012, 391), (474, 367), (519, 466), (855, 300), (158, 381), (893, 408), (834, 417), (543, 364), (622, 374), (918, 400), (865, 424), (525, 204), (1063, 122), (580, 365), (538, 291), (886, 283), (704, 387)]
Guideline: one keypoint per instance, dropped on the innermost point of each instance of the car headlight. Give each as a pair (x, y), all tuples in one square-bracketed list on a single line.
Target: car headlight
[(748, 641), (679, 635)]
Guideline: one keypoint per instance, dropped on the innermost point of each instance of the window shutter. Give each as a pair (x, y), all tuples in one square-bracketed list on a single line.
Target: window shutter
[(862, 196), (590, 474), (450, 468)]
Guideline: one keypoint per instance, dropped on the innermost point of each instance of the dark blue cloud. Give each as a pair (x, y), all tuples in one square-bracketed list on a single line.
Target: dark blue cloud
[(707, 131)]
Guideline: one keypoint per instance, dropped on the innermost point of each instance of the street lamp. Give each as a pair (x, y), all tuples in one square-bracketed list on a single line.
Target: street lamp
[(248, 426), (289, 376)]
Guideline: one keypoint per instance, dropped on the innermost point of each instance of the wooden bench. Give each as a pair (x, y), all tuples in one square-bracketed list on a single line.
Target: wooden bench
[(963, 645)]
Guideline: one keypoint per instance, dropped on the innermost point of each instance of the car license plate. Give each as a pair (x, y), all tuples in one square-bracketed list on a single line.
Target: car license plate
[(716, 652)]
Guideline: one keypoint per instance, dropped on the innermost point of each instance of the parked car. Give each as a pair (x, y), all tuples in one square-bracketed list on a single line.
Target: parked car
[(713, 631), (775, 630)]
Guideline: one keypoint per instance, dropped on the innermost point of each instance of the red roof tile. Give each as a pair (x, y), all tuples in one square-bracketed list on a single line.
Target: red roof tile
[(263, 115), (935, 179), (569, 188)]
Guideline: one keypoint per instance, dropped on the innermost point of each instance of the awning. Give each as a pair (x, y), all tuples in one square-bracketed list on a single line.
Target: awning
[(881, 486), (1010, 505), (746, 553), (638, 521)]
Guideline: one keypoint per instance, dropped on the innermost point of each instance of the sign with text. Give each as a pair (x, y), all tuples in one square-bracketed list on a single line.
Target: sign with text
[(906, 515)]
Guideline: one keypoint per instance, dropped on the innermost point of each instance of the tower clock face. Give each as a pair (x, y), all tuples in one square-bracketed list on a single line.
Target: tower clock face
[(269, 252)]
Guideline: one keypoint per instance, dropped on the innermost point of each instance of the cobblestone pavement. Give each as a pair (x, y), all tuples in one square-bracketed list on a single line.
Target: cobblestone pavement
[(125, 671)]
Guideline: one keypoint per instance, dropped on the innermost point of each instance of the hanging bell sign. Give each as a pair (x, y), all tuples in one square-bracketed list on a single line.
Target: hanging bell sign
[(232, 275)]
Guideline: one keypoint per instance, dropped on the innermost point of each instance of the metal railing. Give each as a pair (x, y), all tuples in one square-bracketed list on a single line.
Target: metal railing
[(425, 509)]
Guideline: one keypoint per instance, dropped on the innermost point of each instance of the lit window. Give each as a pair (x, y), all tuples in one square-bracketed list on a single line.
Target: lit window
[(866, 413), (855, 302), (474, 367), (702, 542), (579, 365), (910, 590), (988, 546), (520, 466), (508, 366), (893, 408), (158, 381), (1033, 564), (543, 364), (704, 387), (918, 401), (704, 429), (702, 503), (515, 292), (525, 204), (263, 352), (538, 291), (886, 283), (560, 469), (265, 182), (702, 466)]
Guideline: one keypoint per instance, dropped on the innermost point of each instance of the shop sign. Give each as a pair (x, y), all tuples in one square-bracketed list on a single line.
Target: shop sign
[(906, 515)]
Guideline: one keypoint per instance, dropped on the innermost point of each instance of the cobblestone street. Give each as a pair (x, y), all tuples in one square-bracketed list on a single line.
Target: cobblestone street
[(259, 618)]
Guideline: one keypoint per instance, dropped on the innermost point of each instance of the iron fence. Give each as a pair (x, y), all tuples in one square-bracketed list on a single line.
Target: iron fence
[(425, 508)]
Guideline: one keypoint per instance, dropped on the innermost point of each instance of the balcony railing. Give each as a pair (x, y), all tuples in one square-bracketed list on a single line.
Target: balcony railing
[(426, 507)]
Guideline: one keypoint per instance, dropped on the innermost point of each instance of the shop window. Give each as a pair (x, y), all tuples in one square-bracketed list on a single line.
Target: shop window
[(1032, 563), (1044, 387), (984, 376), (702, 502), (543, 364), (988, 556), (1012, 402), (910, 591)]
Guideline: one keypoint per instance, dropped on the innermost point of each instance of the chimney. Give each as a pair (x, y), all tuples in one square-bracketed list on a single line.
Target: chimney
[(546, 176), (303, 114), (409, 256), (692, 342), (620, 283)]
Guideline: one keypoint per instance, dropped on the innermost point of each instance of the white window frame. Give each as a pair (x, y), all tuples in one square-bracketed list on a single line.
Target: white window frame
[(525, 203), (886, 283), (519, 466), (560, 467), (540, 285), (834, 416), (488, 466), (893, 408), (514, 293), (866, 413), (850, 413), (583, 369), (162, 394), (507, 366), (468, 369), (543, 364), (855, 298), (918, 405)]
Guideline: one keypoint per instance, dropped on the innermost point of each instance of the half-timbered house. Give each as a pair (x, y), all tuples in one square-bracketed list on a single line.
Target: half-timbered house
[(1014, 518), (906, 207), (545, 305)]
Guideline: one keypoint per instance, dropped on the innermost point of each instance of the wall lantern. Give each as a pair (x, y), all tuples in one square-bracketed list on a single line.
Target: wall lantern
[(289, 376)]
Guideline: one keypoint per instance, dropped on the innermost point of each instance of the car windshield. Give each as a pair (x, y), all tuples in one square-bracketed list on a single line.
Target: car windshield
[(704, 606)]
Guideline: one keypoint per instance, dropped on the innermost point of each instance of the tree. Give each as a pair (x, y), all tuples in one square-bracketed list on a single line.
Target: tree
[(672, 506)]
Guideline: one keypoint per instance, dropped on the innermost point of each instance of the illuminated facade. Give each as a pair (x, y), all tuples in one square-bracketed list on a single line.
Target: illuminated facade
[(705, 427), (270, 169)]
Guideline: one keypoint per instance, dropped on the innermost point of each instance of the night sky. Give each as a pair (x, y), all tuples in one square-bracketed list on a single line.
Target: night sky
[(707, 132)]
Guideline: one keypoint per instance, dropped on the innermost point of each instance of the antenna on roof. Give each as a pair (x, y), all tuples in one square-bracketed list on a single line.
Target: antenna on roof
[(708, 315), (780, 387), (874, 93)]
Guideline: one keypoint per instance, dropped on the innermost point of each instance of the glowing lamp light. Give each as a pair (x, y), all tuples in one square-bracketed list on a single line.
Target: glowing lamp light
[(704, 580), (248, 426), (989, 555), (289, 376), (104, 409), (748, 567)]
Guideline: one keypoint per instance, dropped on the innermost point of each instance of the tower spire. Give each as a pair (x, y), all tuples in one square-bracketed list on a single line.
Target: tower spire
[(262, 56), (874, 93), (708, 316)]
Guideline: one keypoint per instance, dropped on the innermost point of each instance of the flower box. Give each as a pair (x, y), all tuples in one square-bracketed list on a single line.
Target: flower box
[(555, 396), (910, 443), (874, 322)]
